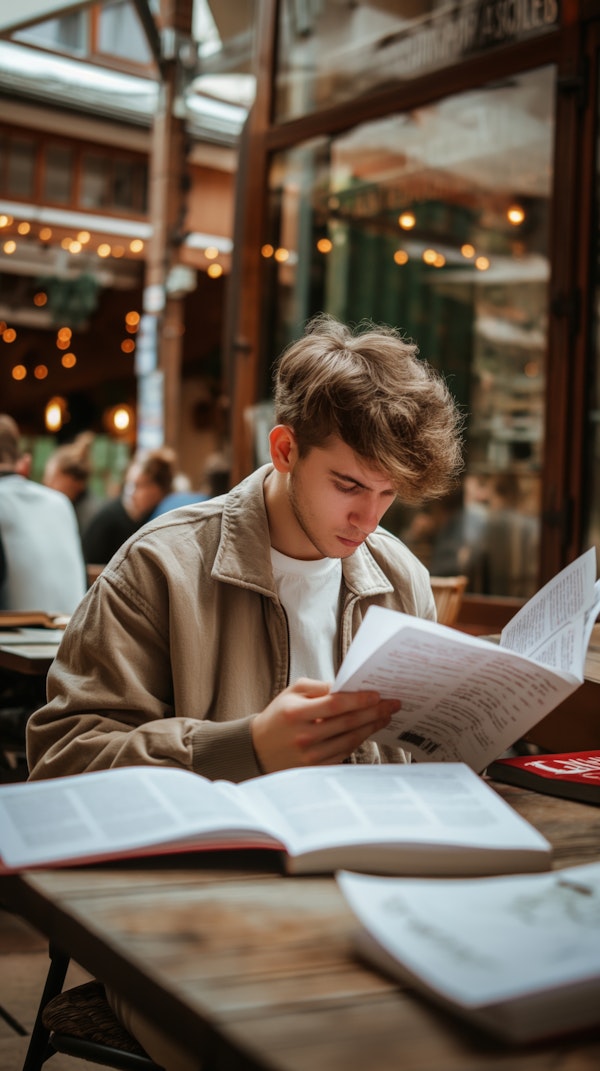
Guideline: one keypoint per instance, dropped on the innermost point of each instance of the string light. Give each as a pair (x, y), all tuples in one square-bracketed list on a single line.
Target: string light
[(515, 215), (407, 220)]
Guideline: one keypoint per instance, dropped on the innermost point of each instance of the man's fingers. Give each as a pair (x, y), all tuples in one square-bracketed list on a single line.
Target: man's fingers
[(334, 749), (361, 722), (310, 688), (307, 724)]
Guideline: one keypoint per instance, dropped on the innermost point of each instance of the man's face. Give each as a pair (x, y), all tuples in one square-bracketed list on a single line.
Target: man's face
[(141, 494), (145, 495), (337, 500)]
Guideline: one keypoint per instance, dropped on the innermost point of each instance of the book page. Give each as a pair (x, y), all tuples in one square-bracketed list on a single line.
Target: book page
[(113, 811), (463, 699), (351, 804), (485, 940), (554, 627), (591, 616)]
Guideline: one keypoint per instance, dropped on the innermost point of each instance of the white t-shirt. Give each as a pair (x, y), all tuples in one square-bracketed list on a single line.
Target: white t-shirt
[(310, 593), (45, 569)]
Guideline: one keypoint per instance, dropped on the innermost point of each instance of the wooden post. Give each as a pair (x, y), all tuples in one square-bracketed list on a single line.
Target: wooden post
[(243, 327), (167, 210)]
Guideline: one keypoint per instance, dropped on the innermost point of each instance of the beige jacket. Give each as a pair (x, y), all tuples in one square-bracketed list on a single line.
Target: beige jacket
[(182, 639)]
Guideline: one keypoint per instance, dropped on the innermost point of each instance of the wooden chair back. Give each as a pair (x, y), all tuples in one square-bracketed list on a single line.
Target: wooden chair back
[(448, 593)]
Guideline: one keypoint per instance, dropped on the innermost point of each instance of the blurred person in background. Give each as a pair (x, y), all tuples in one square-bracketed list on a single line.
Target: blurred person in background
[(68, 469), (148, 480), (215, 482), (41, 563), (41, 568), (510, 540)]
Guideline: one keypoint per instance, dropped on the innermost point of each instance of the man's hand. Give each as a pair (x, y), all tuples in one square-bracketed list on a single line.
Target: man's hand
[(308, 725)]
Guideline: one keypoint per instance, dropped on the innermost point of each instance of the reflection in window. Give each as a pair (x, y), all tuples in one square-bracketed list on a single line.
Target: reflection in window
[(58, 173), (129, 185), (67, 33), (20, 168), (95, 182), (121, 34), (436, 221), (113, 183)]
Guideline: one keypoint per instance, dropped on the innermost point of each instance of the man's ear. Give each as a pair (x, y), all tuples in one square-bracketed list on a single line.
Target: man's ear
[(23, 465), (283, 448)]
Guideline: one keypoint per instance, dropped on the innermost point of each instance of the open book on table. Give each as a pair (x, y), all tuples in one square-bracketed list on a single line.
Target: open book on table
[(466, 699), (429, 819), (518, 956)]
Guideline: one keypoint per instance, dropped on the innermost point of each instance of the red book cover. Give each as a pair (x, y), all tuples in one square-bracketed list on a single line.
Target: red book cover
[(575, 775)]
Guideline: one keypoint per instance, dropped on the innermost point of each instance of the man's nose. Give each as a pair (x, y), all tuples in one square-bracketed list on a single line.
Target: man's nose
[(366, 516)]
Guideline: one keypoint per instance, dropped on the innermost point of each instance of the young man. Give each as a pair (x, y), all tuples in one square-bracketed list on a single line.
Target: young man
[(211, 639)]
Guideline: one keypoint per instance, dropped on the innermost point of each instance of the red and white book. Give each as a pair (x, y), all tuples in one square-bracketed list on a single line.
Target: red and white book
[(575, 775)]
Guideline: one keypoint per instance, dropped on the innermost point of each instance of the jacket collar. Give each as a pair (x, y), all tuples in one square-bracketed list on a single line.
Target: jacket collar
[(243, 554)]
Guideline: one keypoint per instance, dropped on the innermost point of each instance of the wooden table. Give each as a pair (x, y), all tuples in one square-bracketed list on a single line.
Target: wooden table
[(32, 657), (29, 653), (257, 970)]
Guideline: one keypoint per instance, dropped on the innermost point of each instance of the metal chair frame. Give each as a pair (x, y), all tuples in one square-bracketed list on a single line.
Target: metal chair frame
[(44, 1042)]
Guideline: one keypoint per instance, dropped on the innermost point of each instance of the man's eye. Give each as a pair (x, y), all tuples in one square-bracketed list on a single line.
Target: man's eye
[(344, 488)]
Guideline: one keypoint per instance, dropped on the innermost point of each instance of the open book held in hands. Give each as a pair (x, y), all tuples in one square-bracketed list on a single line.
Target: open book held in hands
[(396, 819), (518, 956), (466, 699)]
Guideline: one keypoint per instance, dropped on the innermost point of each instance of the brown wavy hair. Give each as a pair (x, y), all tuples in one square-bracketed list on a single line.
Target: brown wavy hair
[(160, 466), (9, 440), (369, 387), (74, 458)]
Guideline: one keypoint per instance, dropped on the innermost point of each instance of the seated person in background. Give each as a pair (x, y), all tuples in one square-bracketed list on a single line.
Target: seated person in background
[(211, 640), (68, 469), (148, 479), (215, 482), (181, 495), (510, 541), (41, 564)]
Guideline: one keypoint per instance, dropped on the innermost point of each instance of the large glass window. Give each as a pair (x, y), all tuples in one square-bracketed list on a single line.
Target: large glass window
[(332, 50), (436, 221)]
